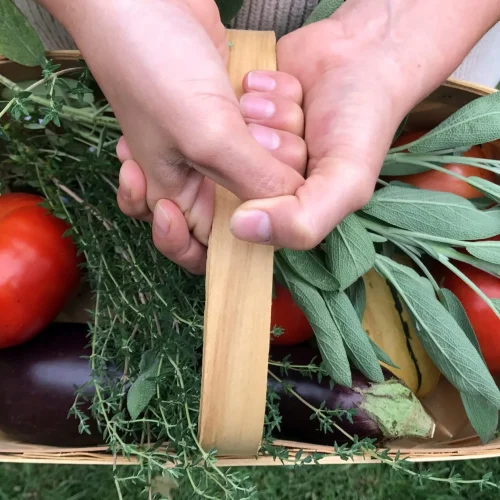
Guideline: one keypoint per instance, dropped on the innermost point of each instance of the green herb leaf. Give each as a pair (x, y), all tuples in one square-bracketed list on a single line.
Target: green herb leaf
[(482, 415), (491, 190), (3, 135), (433, 212), (456, 309), (329, 339), (357, 295), (476, 123), (228, 9), (309, 267), (441, 336), (144, 388), (358, 346), (382, 355), (350, 251), (19, 42), (323, 10), (395, 165), (490, 252), (140, 394), (400, 129)]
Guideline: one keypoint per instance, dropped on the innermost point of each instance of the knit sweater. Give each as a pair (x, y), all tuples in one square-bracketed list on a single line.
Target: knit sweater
[(282, 16)]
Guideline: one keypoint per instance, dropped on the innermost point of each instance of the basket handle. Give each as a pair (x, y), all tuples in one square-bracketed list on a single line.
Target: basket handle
[(238, 302)]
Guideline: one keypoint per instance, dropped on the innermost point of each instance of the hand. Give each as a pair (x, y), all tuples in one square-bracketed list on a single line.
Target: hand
[(274, 118), (161, 65), (362, 71)]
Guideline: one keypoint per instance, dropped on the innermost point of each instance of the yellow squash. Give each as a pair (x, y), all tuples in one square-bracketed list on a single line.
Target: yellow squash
[(394, 333)]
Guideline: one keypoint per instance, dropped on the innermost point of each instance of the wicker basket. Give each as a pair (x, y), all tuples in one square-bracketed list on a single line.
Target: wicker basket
[(238, 437)]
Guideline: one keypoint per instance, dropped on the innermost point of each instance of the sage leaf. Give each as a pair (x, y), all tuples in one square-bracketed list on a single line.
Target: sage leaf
[(456, 309), (19, 42), (140, 394), (349, 251), (482, 415), (323, 10), (3, 135), (400, 128), (358, 346), (328, 337), (475, 123), (490, 252), (309, 267), (357, 295), (489, 189), (144, 388), (443, 339), (376, 238), (432, 212), (228, 9), (395, 165), (382, 355)]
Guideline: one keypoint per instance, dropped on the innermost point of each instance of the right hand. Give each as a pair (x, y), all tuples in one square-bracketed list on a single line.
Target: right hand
[(161, 65)]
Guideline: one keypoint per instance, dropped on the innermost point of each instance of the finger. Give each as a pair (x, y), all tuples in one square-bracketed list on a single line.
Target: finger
[(131, 194), (348, 136), (278, 83), (272, 111), (172, 238), (284, 146), (122, 150)]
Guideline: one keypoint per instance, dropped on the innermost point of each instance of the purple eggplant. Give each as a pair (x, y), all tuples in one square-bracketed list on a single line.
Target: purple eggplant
[(38, 383), (384, 411)]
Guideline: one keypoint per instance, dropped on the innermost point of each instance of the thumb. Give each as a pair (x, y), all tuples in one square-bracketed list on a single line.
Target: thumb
[(348, 134)]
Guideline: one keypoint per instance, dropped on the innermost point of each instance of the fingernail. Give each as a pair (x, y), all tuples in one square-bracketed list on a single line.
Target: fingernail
[(261, 82), (265, 136), (125, 189), (251, 225), (256, 107), (161, 220)]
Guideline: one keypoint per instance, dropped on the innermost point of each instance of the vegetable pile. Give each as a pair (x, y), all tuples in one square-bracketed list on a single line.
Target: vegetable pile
[(401, 293)]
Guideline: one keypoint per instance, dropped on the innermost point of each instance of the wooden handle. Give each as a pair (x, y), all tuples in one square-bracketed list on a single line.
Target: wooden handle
[(238, 302)]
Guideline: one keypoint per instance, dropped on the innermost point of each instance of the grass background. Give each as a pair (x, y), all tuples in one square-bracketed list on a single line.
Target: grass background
[(346, 482)]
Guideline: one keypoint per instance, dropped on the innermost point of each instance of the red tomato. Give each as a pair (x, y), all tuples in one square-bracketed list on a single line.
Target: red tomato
[(482, 318), (288, 315), (439, 181), (38, 267)]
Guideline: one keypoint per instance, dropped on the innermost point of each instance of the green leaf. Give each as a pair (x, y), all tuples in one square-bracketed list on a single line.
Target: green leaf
[(140, 394), (482, 415), (475, 123), (395, 165), (309, 267), (350, 251), (358, 346), (323, 10), (144, 388), (19, 42), (357, 295), (400, 129), (228, 9), (432, 212), (490, 252), (491, 190), (382, 355), (3, 135), (329, 339), (443, 339), (455, 308)]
